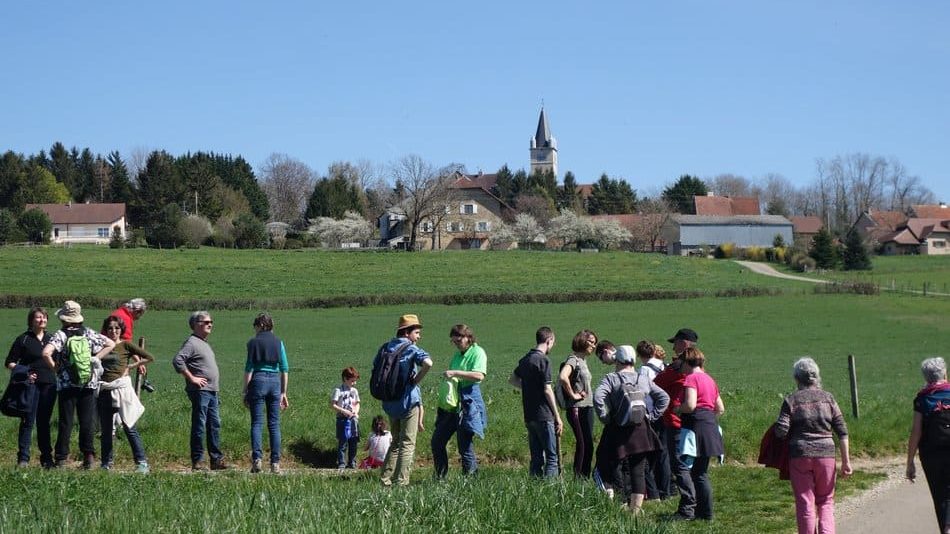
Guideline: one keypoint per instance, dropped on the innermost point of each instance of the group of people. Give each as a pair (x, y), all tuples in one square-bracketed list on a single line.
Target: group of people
[(660, 420)]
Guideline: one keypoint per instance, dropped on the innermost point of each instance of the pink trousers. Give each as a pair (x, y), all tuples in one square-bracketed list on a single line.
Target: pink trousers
[(813, 483)]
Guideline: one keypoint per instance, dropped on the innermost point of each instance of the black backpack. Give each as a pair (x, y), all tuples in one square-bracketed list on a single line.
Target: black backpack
[(389, 380), (936, 430), (17, 400)]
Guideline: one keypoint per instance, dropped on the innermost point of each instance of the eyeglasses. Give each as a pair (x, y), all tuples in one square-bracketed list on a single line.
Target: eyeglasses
[(205, 322)]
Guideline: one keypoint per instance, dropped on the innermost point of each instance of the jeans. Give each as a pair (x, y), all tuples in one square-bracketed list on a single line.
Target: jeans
[(813, 484), (264, 391), (699, 473), (39, 417), (446, 424), (936, 467), (346, 446), (679, 470), (398, 463), (205, 418), (72, 401), (106, 411), (658, 467), (542, 443), (582, 425)]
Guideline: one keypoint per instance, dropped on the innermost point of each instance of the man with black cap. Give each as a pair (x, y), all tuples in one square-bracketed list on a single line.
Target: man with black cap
[(671, 381)]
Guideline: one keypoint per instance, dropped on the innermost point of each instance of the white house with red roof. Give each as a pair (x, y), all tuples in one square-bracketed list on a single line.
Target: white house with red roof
[(84, 223)]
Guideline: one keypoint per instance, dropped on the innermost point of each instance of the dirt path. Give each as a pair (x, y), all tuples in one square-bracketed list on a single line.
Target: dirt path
[(768, 270), (895, 506)]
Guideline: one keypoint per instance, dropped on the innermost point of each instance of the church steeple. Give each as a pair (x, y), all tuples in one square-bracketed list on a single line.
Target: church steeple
[(543, 147)]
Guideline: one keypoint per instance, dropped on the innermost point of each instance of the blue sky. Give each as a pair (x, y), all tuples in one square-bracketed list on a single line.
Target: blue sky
[(645, 91)]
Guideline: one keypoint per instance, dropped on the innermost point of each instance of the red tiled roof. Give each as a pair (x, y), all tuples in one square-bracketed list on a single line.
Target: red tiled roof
[(806, 224), (901, 237), (81, 213), (476, 181), (726, 206), (585, 190), (921, 227), (931, 211), (887, 219)]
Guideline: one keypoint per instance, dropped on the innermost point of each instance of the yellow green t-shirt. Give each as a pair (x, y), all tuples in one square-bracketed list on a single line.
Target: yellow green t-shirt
[(474, 359)]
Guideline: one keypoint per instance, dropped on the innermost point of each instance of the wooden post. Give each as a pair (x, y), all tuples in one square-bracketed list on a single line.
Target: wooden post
[(853, 373), (139, 377)]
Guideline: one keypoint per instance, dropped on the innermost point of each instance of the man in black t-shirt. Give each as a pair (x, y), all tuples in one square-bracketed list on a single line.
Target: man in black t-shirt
[(541, 416)]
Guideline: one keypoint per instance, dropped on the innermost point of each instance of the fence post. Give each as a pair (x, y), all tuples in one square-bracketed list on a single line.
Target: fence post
[(853, 374)]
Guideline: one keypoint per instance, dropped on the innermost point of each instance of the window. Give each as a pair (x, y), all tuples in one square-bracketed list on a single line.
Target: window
[(455, 226), (483, 226), (940, 243), (468, 209), (102, 232), (427, 227), (475, 243)]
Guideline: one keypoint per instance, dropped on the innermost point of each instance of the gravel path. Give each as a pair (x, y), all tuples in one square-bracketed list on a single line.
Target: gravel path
[(895, 506)]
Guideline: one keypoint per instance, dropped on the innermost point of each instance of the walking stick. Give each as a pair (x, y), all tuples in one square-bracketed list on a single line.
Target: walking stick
[(557, 443)]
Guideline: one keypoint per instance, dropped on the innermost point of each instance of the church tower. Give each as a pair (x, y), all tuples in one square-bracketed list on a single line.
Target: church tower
[(543, 148)]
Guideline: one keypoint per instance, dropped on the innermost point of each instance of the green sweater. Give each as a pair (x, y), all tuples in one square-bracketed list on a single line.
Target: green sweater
[(115, 364)]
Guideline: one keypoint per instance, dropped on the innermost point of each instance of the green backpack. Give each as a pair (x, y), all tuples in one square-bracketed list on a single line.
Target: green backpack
[(79, 357)]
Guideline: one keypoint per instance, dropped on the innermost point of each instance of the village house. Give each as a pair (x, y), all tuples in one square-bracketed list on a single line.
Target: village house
[(724, 206), (918, 236), (874, 226), (84, 223), (805, 227)]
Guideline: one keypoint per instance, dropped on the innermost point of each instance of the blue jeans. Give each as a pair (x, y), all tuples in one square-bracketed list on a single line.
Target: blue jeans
[(543, 446), (446, 424), (106, 411), (264, 390), (205, 418), (346, 446), (40, 417), (681, 473)]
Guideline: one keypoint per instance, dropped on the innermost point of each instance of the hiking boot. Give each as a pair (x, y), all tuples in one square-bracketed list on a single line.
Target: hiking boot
[(275, 468), (107, 467), (22, 463), (256, 466), (47, 464), (59, 464), (218, 465), (88, 460), (141, 468), (198, 466)]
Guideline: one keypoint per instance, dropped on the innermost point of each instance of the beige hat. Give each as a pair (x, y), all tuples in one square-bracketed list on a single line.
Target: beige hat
[(71, 312), (408, 320)]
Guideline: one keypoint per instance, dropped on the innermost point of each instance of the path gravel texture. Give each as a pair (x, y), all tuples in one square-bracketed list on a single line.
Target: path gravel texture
[(894, 506)]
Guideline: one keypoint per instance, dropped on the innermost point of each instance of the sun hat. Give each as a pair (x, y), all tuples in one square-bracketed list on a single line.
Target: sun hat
[(71, 312), (408, 320)]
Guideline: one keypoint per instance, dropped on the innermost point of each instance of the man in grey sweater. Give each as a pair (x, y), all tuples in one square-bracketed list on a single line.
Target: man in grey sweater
[(195, 361)]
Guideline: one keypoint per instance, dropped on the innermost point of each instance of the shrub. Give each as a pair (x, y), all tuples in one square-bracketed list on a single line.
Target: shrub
[(776, 254), (725, 251), (9, 231), (135, 238), (223, 233), (249, 232), (36, 225), (116, 241), (755, 254), (778, 242), (804, 263), (293, 244), (163, 232), (194, 230)]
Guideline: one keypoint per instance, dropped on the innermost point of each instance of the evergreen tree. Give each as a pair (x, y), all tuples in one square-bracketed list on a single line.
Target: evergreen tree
[(543, 184), (237, 174), (823, 250), (680, 194), (163, 228), (567, 195), (333, 197), (201, 184), (611, 196), (160, 184), (87, 184), (504, 185), (856, 256), (9, 231), (120, 186), (62, 164), (519, 186), (12, 179)]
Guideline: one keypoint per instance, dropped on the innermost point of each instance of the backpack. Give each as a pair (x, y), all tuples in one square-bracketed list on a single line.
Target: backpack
[(18, 398), (629, 406), (79, 357), (559, 389), (936, 430), (389, 379)]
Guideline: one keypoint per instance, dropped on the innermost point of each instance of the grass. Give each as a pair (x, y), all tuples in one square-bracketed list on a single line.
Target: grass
[(294, 275), (900, 272), (750, 344), (748, 500)]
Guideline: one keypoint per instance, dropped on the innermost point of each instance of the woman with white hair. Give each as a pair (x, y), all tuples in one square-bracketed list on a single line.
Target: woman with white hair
[(809, 417), (930, 434)]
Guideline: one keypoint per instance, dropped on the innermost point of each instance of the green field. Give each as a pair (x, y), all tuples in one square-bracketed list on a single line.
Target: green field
[(901, 273), (289, 275), (750, 344)]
